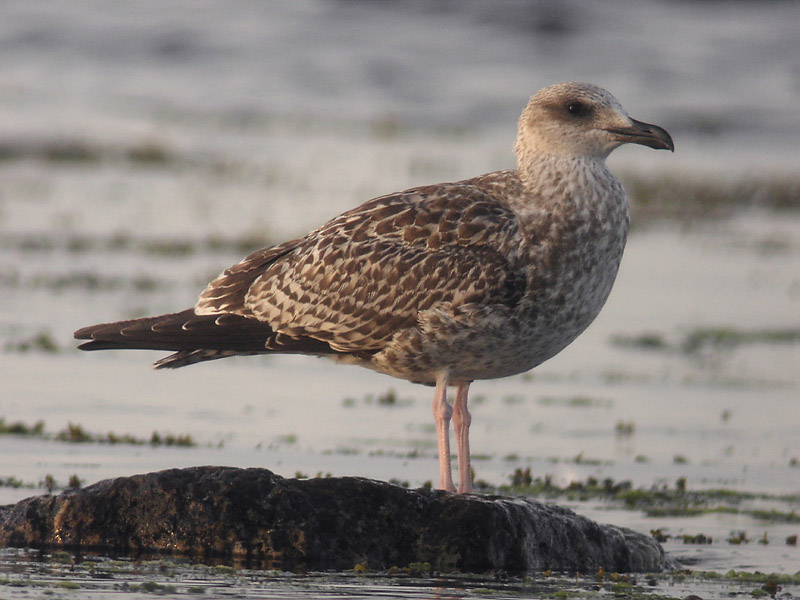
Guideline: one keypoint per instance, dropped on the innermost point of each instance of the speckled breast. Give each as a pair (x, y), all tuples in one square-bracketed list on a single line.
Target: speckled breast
[(569, 274)]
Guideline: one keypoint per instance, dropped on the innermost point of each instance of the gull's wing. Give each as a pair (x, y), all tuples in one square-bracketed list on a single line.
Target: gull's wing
[(363, 276)]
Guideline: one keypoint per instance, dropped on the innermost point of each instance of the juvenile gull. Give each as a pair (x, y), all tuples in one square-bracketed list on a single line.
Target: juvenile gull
[(442, 284)]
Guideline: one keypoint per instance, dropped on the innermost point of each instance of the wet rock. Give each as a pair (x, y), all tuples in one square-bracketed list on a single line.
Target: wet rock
[(257, 518)]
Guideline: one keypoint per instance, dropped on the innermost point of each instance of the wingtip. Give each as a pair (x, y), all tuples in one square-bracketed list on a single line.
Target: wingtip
[(97, 345), (84, 333)]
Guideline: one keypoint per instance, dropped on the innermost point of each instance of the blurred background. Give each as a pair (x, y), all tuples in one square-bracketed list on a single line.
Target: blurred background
[(146, 146)]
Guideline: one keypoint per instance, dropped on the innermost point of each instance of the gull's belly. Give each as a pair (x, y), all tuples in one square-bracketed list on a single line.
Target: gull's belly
[(488, 342), (541, 331)]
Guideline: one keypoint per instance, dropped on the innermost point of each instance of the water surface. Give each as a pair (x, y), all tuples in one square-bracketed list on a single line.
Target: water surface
[(147, 147)]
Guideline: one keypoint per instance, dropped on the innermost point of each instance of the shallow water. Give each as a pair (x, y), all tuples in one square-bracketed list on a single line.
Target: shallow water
[(34, 576), (720, 417), (187, 140)]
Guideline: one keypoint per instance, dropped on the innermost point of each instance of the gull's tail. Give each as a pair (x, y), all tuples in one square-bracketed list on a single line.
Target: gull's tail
[(194, 338), (197, 338)]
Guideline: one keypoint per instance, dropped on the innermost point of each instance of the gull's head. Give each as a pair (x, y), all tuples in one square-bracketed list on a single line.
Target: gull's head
[(581, 120)]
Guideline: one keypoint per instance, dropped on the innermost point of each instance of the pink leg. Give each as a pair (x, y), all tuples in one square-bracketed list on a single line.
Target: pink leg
[(461, 422), (442, 411)]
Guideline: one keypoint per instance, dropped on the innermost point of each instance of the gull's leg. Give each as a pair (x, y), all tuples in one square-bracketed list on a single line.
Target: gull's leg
[(461, 422), (442, 411)]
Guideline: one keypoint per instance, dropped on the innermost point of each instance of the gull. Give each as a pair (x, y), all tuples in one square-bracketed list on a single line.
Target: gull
[(442, 284)]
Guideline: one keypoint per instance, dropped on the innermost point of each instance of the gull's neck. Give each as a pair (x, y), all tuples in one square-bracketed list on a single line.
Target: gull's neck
[(548, 175), (572, 192)]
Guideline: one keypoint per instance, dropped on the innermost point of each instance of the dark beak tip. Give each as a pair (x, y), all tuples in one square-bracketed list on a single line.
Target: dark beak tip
[(659, 134), (650, 135), (667, 139), (644, 134)]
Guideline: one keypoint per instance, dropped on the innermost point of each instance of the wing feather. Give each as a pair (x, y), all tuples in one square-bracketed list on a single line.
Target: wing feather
[(370, 272)]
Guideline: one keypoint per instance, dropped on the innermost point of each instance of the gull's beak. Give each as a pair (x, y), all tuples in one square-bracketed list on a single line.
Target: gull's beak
[(645, 134)]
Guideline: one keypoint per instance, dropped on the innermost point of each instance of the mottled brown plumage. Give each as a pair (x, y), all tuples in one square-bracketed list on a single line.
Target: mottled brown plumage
[(442, 284)]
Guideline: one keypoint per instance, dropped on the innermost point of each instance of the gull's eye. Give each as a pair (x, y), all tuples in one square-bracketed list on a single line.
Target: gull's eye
[(577, 108)]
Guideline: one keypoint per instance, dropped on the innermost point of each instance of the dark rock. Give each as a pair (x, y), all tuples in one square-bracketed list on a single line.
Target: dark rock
[(257, 518)]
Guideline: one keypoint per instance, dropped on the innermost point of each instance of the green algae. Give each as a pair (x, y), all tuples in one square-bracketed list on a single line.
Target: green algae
[(74, 433), (731, 337), (775, 516), (689, 199), (42, 341), (126, 243), (20, 428), (706, 338), (656, 501)]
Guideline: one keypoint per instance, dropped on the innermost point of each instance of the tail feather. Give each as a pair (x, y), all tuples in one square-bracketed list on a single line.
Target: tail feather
[(184, 358), (178, 331), (196, 338)]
